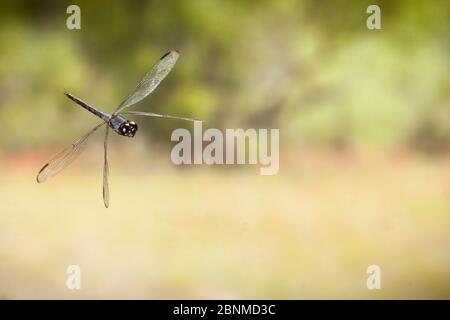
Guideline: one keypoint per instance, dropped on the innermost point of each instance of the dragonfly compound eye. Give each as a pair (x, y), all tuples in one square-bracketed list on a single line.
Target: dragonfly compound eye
[(128, 129)]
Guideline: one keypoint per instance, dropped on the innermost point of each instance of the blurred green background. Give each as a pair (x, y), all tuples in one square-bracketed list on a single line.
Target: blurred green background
[(364, 118)]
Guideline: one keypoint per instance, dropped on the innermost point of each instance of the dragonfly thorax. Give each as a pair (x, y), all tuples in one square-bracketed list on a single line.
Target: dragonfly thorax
[(123, 127)]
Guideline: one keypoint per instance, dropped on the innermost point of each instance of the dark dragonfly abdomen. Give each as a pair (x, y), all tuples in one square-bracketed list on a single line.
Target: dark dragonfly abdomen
[(118, 123), (102, 115)]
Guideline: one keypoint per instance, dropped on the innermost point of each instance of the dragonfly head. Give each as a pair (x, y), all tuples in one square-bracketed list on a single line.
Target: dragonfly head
[(128, 129)]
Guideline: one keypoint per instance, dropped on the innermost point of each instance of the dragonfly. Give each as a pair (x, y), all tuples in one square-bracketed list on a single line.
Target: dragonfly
[(116, 121)]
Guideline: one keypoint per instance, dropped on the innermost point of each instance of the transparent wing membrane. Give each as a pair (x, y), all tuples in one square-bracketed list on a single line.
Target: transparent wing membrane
[(106, 171), (151, 80), (150, 114), (65, 157)]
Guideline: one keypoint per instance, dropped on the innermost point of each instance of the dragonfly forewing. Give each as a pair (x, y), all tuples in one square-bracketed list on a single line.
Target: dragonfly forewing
[(65, 157), (151, 80)]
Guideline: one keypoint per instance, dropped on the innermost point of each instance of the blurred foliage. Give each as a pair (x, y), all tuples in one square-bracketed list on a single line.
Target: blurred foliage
[(311, 68)]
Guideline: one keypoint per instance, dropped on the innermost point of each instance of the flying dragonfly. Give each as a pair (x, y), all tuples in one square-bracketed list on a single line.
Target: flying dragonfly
[(115, 121)]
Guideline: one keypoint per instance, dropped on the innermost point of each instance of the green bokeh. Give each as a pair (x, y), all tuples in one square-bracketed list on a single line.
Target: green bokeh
[(313, 70)]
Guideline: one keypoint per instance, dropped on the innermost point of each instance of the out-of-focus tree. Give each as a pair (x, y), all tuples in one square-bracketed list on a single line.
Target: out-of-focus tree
[(311, 68)]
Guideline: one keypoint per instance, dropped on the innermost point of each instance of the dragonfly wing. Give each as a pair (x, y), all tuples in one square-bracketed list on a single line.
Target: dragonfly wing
[(151, 114), (151, 80), (65, 157), (106, 171)]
